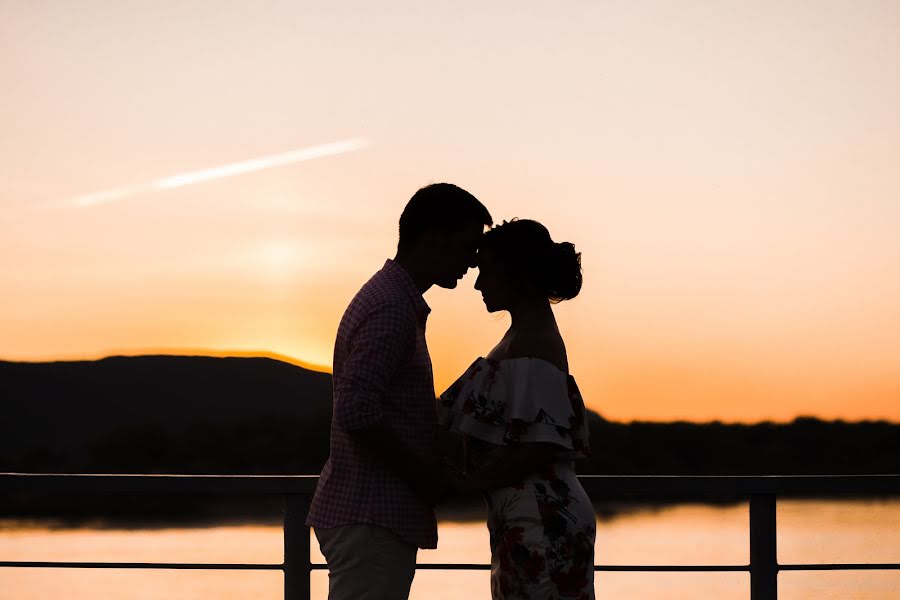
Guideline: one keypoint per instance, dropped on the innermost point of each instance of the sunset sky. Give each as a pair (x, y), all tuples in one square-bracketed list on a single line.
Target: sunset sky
[(730, 171)]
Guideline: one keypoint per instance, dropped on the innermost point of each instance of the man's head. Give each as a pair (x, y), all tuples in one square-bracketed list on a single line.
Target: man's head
[(441, 227)]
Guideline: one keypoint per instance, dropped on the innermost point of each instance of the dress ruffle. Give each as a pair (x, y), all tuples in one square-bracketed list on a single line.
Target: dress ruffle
[(513, 400)]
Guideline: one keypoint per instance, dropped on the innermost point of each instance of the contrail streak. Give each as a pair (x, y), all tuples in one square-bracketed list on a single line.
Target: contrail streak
[(239, 168)]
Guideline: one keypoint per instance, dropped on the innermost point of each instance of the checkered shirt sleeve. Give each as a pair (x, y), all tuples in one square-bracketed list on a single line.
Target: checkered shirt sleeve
[(376, 349)]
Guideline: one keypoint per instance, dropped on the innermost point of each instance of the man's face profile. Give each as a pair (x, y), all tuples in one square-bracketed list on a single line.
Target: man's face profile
[(456, 251)]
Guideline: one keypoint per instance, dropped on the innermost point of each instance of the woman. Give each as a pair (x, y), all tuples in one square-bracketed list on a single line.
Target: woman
[(523, 421)]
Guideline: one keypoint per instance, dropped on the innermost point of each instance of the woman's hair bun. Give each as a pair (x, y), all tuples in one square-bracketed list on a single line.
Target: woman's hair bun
[(563, 276)]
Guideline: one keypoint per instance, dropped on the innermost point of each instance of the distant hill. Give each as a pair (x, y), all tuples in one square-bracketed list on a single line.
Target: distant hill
[(164, 414), (806, 446)]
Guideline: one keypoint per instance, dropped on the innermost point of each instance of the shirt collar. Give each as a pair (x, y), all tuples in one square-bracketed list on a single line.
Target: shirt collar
[(406, 281)]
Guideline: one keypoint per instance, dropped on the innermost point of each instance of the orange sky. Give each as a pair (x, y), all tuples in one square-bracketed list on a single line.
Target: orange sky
[(729, 171)]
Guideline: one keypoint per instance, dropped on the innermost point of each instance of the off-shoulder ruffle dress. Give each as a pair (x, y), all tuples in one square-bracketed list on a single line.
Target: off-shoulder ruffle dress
[(542, 531)]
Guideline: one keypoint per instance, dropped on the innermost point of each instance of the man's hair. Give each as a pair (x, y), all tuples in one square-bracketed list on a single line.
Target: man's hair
[(439, 206)]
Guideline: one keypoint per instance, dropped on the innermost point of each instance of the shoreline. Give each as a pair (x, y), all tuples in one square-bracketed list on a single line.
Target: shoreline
[(458, 514)]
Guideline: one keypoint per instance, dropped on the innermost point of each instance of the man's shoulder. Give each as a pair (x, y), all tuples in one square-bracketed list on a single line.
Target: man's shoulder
[(382, 289), (380, 293)]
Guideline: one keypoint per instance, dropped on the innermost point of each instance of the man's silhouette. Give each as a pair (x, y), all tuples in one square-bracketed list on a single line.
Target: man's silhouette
[(373, 507)]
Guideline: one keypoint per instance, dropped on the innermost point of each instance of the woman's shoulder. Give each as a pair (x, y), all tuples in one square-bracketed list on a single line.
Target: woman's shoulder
[(508, 399), (547, 346)]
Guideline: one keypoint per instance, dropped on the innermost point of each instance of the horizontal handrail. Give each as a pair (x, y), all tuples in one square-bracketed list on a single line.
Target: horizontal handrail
[(140, 565), (739, 485), (594, 485), (434, 566), (154, 483)]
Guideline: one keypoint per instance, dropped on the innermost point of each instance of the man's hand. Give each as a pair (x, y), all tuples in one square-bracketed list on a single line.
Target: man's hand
[(460, 485), (435, 484), (427, 478)]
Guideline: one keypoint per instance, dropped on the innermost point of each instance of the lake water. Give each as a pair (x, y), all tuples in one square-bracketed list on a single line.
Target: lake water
[(856, 531)]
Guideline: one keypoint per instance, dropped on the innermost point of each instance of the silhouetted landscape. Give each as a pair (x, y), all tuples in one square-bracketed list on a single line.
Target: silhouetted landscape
[(175, 414)]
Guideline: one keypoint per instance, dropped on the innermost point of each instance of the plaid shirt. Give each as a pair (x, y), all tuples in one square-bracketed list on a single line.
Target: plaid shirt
[(382, 371)]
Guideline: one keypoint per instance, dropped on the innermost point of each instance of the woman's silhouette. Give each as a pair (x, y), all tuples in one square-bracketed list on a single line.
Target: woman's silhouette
[(523, 421)]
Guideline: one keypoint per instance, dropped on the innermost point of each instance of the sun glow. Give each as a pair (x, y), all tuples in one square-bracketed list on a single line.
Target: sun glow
[(276, 258)]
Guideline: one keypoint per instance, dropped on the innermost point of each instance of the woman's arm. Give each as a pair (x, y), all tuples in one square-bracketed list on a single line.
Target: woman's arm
[(512, 464)]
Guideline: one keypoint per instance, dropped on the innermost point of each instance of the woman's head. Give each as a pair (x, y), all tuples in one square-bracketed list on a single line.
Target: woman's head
[(519, 261)]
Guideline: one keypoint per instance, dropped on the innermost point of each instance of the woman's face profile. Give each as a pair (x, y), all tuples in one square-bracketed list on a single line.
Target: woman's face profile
[(492, 281)]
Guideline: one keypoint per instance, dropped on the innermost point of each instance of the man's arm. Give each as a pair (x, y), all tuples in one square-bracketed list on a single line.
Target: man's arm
[(426, 478), (383, 340)]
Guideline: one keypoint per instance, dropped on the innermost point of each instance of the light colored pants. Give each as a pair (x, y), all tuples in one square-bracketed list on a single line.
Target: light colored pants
[(367, 562)]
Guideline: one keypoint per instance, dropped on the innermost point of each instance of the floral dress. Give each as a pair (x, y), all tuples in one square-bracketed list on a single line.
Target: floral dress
[(542, 530)]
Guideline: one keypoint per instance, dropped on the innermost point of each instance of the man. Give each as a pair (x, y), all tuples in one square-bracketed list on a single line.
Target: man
[(373, 507)]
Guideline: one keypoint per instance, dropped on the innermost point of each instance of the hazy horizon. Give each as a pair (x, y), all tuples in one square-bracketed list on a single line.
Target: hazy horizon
[(201, 353)]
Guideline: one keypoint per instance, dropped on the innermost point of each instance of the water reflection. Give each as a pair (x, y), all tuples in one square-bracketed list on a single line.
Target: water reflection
[(809, 531)]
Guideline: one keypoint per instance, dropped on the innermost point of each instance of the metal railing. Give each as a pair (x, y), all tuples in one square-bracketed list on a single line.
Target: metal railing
[(297, 490)]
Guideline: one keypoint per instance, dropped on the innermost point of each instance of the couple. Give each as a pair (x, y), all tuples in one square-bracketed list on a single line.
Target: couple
[(518, 410)]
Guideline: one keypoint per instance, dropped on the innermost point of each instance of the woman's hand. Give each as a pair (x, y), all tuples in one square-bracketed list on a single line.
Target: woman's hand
[(459, 485), (513, 464)]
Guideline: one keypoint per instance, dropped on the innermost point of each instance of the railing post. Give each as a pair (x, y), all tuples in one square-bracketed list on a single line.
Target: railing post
[(296, 548), (763, 548)]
